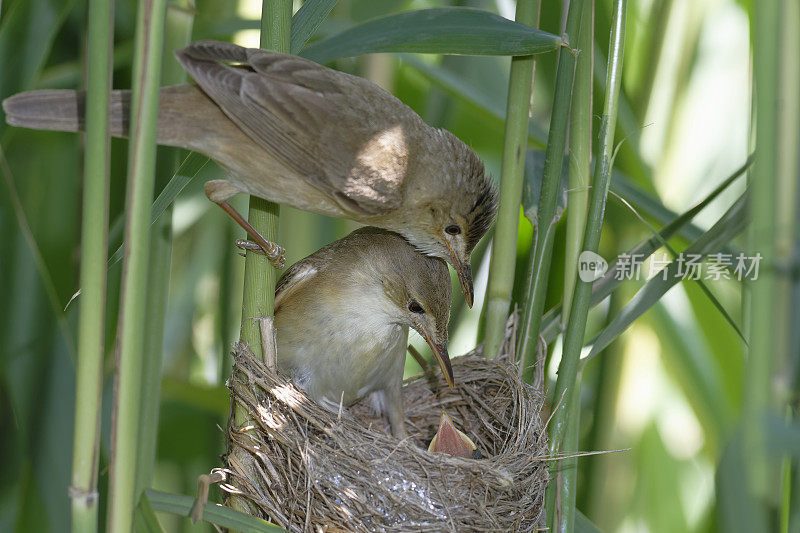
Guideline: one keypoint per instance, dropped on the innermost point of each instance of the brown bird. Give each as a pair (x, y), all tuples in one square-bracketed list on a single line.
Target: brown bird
[(450, 440), (342, 317), (294, 132)]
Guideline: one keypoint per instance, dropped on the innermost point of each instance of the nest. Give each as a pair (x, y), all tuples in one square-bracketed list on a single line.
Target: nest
[(307, 469)]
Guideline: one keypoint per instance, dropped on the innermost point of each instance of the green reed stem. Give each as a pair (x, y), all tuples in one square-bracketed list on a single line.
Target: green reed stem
[(580, 153), (91, 319), (259, 276), (179, 22), (141, 178), (504, 245), (576, 326), (541, 254), (762, 316)]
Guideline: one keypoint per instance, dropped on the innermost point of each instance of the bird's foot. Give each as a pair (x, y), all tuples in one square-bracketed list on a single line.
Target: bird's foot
[(218, 191), (274, 252)]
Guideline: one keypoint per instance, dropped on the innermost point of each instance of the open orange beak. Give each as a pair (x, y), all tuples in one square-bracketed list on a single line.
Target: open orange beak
[(449, 439), (442, 357)]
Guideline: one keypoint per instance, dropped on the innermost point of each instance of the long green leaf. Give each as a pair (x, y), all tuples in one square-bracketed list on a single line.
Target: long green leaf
[(213, 513), (190, 167), (144, 518), (306, 21), (458, 87), (446, 30), (611, 280), (583, 524), (727, 227)]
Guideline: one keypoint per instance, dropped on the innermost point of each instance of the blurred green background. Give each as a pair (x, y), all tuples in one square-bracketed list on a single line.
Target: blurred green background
[(668, 392)]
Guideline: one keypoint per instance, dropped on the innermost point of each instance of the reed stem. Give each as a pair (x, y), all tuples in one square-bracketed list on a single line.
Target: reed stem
[(576, 326), (179, 22), (259, 276), (141, 178), (504, 245), (94, 239), (542, 251), (762, 305)]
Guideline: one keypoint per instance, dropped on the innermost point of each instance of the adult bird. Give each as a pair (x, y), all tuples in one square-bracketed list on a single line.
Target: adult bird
[(342, 317), (294, 132)]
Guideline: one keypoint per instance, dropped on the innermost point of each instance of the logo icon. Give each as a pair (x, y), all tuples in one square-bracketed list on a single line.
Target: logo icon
[(591, 266)]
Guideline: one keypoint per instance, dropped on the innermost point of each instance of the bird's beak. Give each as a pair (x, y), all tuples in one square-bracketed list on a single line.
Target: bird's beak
[(464, 271), (442, 357)]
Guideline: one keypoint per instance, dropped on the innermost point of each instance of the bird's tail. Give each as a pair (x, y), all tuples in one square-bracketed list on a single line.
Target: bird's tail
[(62, 110), (182, 111)]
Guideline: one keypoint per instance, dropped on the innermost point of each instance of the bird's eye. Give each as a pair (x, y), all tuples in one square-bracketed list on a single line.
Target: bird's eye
[(452, 229), (414, 307)]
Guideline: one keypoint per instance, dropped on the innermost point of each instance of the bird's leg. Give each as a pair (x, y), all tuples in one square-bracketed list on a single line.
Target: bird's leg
[(218, 191), (394, 410)]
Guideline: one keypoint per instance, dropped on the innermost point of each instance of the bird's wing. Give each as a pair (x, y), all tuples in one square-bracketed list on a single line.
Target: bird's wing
[(295, 277), (342, 133)]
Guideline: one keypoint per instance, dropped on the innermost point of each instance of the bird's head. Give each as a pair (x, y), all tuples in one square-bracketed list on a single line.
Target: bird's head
[(449, 224), (418, 290)]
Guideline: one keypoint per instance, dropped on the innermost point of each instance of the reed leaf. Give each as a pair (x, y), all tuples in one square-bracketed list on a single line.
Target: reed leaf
[(213, 513), (727, 227), (306, 21), (445, 30)]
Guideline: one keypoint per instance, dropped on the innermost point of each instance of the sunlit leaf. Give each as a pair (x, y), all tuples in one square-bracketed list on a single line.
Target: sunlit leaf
[(306, 21)]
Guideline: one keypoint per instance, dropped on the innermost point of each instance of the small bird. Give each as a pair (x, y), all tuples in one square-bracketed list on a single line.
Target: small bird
[(342, 317), (450, 440), (294, 132)]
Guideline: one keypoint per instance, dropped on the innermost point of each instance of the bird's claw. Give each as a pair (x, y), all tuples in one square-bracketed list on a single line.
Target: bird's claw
[(275, 253)]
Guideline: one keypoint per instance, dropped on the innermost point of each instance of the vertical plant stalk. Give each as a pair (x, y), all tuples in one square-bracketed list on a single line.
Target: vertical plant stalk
[(566, 384), (766, 19), (562, 489), (539, 266), (94, 242), (259, 276), (179, 21), (504, 246), (141, 177), (580, 153)]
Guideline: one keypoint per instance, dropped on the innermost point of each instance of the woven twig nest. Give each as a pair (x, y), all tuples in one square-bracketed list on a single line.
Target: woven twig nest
[(307, 469)]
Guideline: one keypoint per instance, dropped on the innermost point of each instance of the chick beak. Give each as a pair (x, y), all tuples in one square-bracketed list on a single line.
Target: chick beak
[(450, 440), (442, 357)]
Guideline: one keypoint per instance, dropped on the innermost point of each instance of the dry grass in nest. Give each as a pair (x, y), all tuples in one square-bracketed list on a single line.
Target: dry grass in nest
[(307, 469)]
